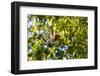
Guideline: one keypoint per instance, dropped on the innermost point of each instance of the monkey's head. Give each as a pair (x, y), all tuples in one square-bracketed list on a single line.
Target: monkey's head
[(56, 36)]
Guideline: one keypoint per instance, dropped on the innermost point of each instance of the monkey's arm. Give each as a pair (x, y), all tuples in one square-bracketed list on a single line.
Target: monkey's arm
[(42, 38)]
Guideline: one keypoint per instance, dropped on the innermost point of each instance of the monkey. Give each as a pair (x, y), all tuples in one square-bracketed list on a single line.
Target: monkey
[(51, 39)]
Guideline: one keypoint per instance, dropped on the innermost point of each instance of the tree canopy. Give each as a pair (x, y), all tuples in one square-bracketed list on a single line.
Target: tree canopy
[(57, 37)]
